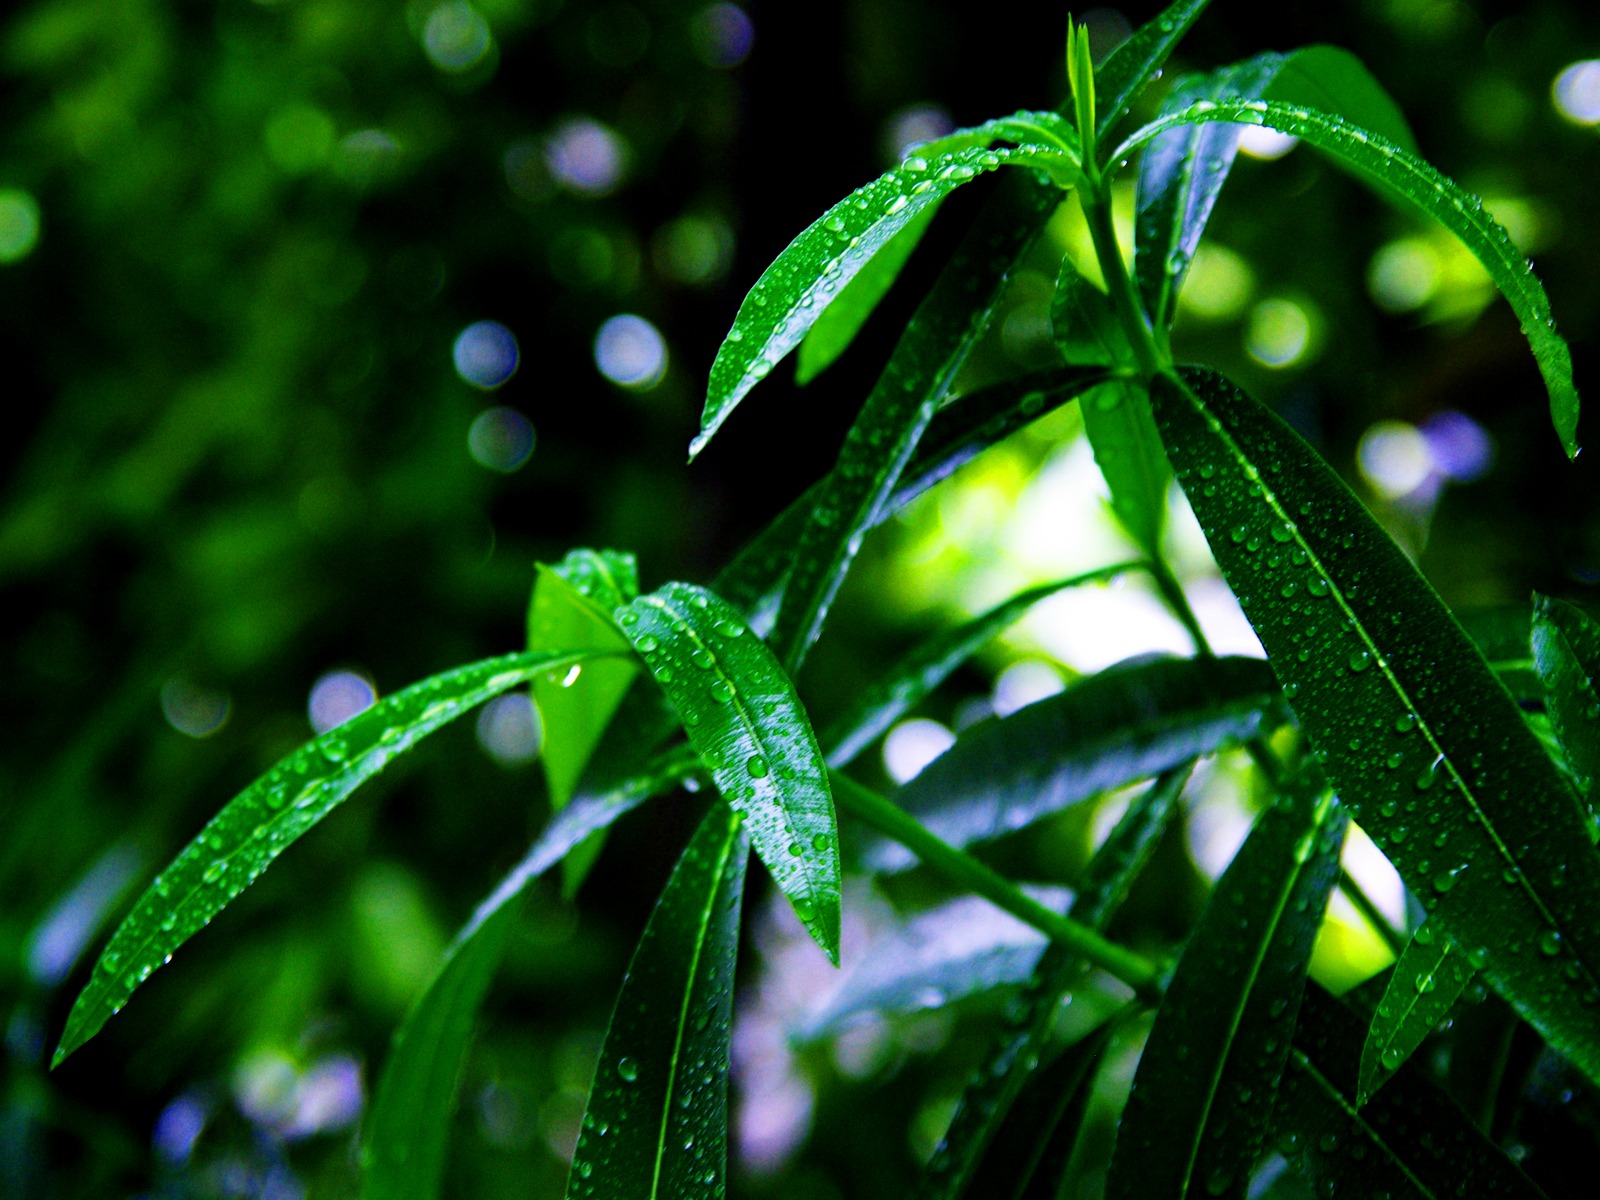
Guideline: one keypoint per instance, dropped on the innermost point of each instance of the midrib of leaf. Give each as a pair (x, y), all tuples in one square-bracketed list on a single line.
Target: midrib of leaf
[(1322, 1081), (713, 894), (1325, 807), (1271, 497), (1401, 1020)]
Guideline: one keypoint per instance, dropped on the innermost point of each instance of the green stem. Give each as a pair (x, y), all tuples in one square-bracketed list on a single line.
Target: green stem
[(959, 867), (1096, 203), (1172, 593), (1369, 912)]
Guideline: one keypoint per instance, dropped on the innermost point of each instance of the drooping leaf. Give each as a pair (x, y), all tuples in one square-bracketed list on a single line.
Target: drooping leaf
[(1033, 1146), (656, 1126), (1409, 1143), (930, 664), (968, 425), (1125, 724), (1402, 175), (1566, 651), (836, 327), (742, 715), (1423, 988), (1133, 65), (571, 607), (914, 384), (966, 947), (1400, 706), (815, 267), (262, 821), (1203, 1093), (407, 1129), (1020, 1047)]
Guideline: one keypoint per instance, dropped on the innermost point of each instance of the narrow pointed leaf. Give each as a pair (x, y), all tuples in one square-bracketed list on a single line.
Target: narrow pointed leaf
[(742, 715), (571, 607), (1133, 65), (1033, 1147), (1203, 1093), (968, 425), (814, 268), (931, 663), (836, 327), (1423, 988), (1335, 81), (1402, 175), (406, 1132), (1566, 650), (914, 384), (1504, 637), (656, 1127), (1112, 729), (1410, 1143), (1415, 732), (1020, 1047), (262, 821), (966, 947)]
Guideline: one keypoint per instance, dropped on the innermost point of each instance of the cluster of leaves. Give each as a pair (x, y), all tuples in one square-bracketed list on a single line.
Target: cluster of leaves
[(1375, 706)]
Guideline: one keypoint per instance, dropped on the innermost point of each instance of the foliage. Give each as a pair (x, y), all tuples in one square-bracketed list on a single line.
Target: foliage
[(1152, 1031)]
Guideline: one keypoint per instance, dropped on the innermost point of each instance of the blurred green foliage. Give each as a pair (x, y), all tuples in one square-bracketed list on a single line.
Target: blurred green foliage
[(238, 243)]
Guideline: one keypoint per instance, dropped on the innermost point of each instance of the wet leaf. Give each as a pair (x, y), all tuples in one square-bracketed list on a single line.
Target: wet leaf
[(1203, 1093), (262, 821), (1400, 707), (915, 676), (915, 383), (1125, 724), (1021, 1045), (742, 715), (656, 1126), (1409, 1143), (1566, 651), (1133, 65), (803, 280), (571, 607), (1402, 175), (1504, 637), (1423, 988)]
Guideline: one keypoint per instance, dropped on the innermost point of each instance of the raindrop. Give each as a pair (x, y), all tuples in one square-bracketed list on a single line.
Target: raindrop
[(721, 692), (627, 1069), (757, 766)]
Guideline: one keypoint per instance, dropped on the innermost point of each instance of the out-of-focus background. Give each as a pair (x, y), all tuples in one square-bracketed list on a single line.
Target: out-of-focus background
[(322, 320)]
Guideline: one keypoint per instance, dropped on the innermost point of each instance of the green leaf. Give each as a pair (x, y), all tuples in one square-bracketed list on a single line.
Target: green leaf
[(916, 381), (1033, 1147), (1020, 1047), (656, 1127), (260, 822), (1504, 637), (966, 947), (1197, 1115), (1566, 650), (1416, 733), (571, 607), (742, 715), (1125, 724), (1409, 1143), (1403, 175), (836, 327), (1127, 449), (1422, 990), (408, 1126), (1332, 79), (1134, 64), (803, 280), (915, 676), (968, 425)]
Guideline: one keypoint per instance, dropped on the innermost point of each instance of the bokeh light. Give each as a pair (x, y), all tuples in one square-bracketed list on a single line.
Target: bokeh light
[(485, 354), (1218, 286), (913, 125), (508, 730), (693, 250), (19, 224), (456, 37), (1576, 92), (586, 157), (1403, 274), (1279, 334), (1461, 449), (299, 138), (912, 745), (723, 35), (1024, 683), (337, 696), (1257, 141), (501, 439), (1394, 459), (631, 352), (193, 709)]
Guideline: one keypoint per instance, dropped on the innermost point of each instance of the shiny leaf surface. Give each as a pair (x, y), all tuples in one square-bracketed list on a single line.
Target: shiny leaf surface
[(656, 1126), (742, 715), (262, 821), (1133, 65), (1400, 706), (1424, 986), (1566, 651)]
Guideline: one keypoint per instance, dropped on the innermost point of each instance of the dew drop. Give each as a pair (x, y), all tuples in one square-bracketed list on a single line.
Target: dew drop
[(627, 1070), (647, 642), (757, 766), (1360, 660), (215, 870), (1550, 944), (721, 692), (821, 842)]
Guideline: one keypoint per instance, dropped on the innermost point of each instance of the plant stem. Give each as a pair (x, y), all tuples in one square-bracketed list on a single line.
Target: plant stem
[(1370, 912), (960, 867), (1096, 203), (1178, 604)]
